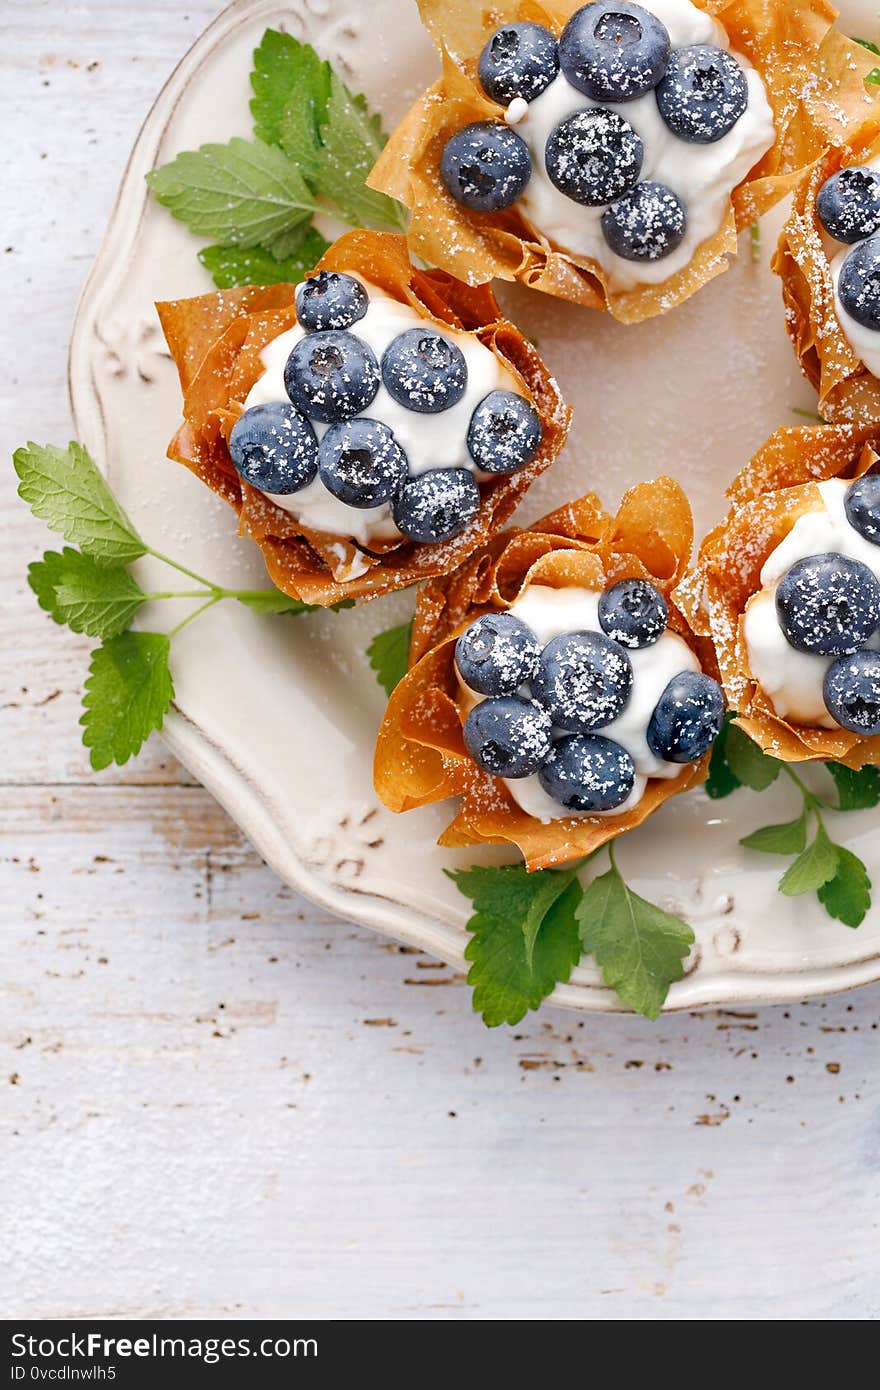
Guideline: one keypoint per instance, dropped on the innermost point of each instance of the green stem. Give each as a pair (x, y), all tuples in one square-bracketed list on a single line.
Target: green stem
[(180, 593), (811, 802), (182, 569), (202, 608)]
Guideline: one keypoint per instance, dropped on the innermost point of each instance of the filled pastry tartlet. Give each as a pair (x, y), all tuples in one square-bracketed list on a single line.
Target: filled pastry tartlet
[(610, 153), (371, 426), (554, 685)]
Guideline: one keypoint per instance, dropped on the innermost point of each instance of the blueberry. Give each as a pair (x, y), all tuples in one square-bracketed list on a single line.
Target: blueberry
[(497, 654), (702, 94), (520, 60), (687, 718), (588, 773), (594, 156), (331, 376), (852, 692), (633, 613), (848, 205), (274, 448), (508, 736), (424, 370), (646, 224), (504, 433), (584, 680), (828, 605), (614, 52), (485, 166), (436, 505), (862, 506), (330, 300), (361, 462), (859, 283)]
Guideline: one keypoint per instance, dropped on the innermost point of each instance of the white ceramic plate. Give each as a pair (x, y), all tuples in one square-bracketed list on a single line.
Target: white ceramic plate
[(277, 716)]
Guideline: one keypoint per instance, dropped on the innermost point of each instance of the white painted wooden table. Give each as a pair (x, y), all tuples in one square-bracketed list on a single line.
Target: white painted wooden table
[(216, 1100)]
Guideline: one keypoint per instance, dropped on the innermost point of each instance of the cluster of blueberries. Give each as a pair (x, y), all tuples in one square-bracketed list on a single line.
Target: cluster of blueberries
[(332, 376), (610, 53), (544, 706), (848, 206), (829, 605)]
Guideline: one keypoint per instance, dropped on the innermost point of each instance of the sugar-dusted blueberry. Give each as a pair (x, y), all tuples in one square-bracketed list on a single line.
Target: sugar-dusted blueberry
[(848, 205), (497, 654), (862, 506), (633, 612), (646, 224), (520, 60), (584, 680), (702, 94), (687, 718), (594, 156), (504, 433), (361, 462), (330, 300), (485, 166), (828, 605), (274, 448), (852, 692), (424, 370), (508, 736), (859, 283), (614, 52), (587, 772), (331, 376), (436, 505)]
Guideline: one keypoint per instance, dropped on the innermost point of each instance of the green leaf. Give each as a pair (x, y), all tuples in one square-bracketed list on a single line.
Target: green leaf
[(789, 838), (282, 68), (815, 866), (88, 596), (721, 780), (64, 488), (128, 692), (747, 763), (388, 654), (230, 265), (274, 601), (352, 139), (847, 896), (305, 112), (245, 193), (856, 791), (639, 948), (507, 982)]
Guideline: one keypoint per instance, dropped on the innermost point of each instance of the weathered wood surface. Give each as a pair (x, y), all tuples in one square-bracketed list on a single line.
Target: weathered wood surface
[(218, 1100)]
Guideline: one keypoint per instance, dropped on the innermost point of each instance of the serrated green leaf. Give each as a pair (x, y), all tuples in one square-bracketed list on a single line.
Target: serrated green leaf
[(847, 896), (283, 66), (88, 596), (351, 141), (128, 692), (788, 838), (747, 762), (230, 265), (815, 866), (856, 791), (304, 113), (64, 488), (388, 654), (721, 780)]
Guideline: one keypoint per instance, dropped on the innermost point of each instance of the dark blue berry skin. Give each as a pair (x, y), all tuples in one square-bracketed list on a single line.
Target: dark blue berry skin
[(424, 370), (646, 224), (361, 462), (702, 94), (687, 718), (633, 613), (594, 156), (588, 773), (520, 60), (584, 680), (859, 283), (614, 52), (436, 505), (848, 205), (497, 654), (508, 736), (862, 506), (485, 166), (330, 300), (505, 433), (274, 448), (331, 376), (852, 692), (828, 605)]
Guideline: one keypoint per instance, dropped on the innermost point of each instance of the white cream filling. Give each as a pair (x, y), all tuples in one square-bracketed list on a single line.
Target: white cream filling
[(429, 441), (865, 342), (703, 176), (793, 680), (550, 613)]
